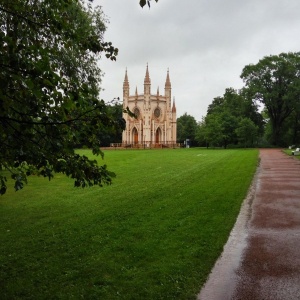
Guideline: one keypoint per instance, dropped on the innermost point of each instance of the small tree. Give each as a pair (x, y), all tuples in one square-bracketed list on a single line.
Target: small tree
[(201, 133), (246, 132), (213, 130), (186, 128)]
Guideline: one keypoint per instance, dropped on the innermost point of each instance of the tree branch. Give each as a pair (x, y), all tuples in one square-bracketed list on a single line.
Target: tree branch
[(22, 17), (79, 118)]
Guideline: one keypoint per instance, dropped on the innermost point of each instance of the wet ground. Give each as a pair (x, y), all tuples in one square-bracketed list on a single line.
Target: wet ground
[(261, 260)]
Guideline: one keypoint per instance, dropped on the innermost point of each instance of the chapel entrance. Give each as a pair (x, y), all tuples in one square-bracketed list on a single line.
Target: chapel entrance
[(158, 136), (135, 136)]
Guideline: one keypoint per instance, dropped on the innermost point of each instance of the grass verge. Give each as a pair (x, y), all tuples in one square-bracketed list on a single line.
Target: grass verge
[(154, 234), (289, 152)]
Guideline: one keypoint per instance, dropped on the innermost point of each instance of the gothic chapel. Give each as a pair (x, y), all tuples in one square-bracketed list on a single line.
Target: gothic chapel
[(155, 125)]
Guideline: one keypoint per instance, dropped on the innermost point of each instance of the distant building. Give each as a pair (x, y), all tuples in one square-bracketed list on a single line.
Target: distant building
[(155, 125)]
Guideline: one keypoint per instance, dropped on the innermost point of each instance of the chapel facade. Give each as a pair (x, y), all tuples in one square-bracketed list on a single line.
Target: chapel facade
[(155, 122)]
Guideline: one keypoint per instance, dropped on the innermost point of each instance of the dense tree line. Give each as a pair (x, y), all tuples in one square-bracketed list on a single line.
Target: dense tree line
[(266, 111)]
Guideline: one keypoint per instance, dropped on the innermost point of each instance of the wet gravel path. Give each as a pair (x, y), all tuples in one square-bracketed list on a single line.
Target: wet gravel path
[(261, 260)]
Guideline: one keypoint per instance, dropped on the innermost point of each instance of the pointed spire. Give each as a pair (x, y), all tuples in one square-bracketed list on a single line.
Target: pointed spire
[(126, 82), (147, 77), (168, 82), (147, 83), (136, 92), (173, 106), (158, 91)]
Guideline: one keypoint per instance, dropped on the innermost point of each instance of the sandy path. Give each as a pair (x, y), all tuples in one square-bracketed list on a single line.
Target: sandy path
[(261, 260)]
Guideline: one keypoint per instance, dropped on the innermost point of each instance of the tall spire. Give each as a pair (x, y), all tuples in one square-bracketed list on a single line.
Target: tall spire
[(126, 82), (125, 87), (168, 82), (147, 77), (147, 83), (173, 106), (168, 89)]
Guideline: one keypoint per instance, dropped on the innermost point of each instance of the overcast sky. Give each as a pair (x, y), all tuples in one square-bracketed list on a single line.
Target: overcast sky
[(204, 43)]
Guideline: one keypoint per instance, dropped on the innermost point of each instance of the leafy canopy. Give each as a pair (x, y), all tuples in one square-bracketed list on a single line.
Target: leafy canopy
[(225, 115), (49, 88), (275, 82), (186, 128)]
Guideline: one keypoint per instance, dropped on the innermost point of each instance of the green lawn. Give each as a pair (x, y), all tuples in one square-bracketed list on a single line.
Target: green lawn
[(154, 234)]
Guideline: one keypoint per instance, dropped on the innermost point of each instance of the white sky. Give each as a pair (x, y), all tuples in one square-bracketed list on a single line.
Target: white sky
[(204, 43)]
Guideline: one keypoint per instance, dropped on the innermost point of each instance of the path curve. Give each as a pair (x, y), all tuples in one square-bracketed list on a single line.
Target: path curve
[(261, 260)]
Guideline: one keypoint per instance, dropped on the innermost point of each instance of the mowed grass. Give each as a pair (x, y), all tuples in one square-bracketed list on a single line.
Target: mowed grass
[(289, 152), (154, 234)]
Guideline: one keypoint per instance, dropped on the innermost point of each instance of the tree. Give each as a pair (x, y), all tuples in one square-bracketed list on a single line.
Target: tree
[(186, 128), (108, 135), (225, 113), (212, 130), (250, 110), (275, 82), (237, 103), (49, 87), (200, 136), (220, 129), (246, 132), (292, 129), (231, 102)]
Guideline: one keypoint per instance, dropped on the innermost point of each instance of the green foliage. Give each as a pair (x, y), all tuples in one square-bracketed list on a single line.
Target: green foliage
[(186, 128), (201, 134), (108, 135), (154, 234), (212, 130), (247, 132), (225, 115), (232, 102), (275, 82), (144, 2), (49, 86), (292, 129)]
